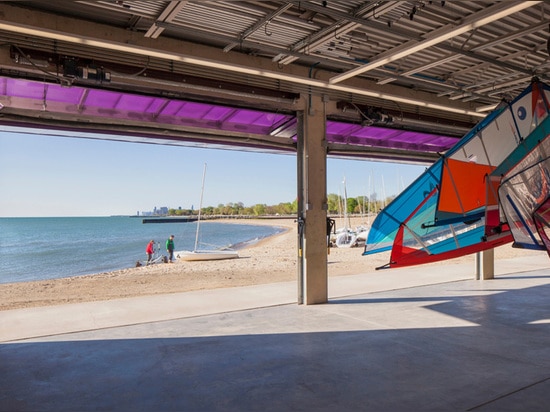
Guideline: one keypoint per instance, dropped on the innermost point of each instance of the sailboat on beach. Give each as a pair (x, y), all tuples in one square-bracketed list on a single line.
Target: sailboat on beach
[(346, 237), (204, 254)]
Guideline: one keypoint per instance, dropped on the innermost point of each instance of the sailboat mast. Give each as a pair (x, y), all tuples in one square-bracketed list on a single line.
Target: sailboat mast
[(345, 206), (200, 209), (368, 199)]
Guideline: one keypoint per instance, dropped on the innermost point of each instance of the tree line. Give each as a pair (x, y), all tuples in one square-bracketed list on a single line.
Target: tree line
[(354, 205)]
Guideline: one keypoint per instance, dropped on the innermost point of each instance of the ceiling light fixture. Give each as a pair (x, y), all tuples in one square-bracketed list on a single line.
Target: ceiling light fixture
[(488, 15), (488, 108)]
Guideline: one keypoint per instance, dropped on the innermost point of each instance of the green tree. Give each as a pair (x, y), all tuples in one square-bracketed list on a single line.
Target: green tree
[(294, 207), (262, 209), (351, 204), (284, 208), (259, 209), (333, 202), (362, 204)]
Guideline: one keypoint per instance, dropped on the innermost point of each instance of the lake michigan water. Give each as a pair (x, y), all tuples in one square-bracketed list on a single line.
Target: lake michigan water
[(56, 247)]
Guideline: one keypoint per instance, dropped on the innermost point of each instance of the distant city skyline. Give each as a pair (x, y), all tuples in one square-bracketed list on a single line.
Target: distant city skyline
[(60, 176)]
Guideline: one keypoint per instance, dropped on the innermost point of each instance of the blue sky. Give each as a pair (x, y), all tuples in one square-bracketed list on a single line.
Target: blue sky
[(61, 176)]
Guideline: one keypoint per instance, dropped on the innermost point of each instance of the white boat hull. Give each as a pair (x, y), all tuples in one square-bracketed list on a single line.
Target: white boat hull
[(362, 235), (195, 255), (346, 239)]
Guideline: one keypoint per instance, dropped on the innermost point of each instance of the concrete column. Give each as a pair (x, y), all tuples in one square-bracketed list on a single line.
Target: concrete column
[(314, 202), (485, 265)]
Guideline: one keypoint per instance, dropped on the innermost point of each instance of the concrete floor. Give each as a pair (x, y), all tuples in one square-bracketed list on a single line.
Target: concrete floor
[(419, 339)]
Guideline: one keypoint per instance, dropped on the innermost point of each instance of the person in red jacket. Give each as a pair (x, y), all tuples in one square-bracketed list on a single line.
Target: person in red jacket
[(150, 249)]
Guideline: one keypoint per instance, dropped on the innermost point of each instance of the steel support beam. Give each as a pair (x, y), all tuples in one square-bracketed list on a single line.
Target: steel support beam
[(312, 161)]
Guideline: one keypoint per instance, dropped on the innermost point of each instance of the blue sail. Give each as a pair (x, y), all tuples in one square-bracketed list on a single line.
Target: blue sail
[(386, 224)]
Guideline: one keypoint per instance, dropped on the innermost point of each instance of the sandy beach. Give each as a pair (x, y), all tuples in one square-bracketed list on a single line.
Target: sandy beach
[(268, 261)]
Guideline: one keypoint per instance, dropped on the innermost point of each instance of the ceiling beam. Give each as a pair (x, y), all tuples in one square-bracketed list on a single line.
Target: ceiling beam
[(168, 14), (490, 14), (339, 28), (455, 56), (259, 24), (224, 65)]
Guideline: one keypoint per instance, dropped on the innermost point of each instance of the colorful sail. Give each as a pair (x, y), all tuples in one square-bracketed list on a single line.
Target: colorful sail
[(525, 198), (486, 148), (418, 242), (452, 209), (542, 220), (384, 227)]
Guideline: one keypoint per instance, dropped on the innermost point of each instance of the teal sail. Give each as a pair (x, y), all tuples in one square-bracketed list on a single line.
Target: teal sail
[(386, 224)]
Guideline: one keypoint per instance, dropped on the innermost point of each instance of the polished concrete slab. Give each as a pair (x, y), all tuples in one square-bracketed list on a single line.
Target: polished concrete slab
[(412, 340)]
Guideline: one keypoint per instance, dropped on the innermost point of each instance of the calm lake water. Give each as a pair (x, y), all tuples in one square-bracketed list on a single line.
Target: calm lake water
[(56, 247)]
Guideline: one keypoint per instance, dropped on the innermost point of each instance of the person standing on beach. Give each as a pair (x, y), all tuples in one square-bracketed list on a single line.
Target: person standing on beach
[(150, 249), (170, 248)]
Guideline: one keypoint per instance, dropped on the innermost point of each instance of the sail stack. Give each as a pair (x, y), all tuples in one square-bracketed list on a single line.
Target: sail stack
[(465, 202)]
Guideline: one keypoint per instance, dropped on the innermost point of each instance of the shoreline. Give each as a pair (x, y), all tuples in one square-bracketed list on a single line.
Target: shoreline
[(161, 278), (257, 241), (270, 260)]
